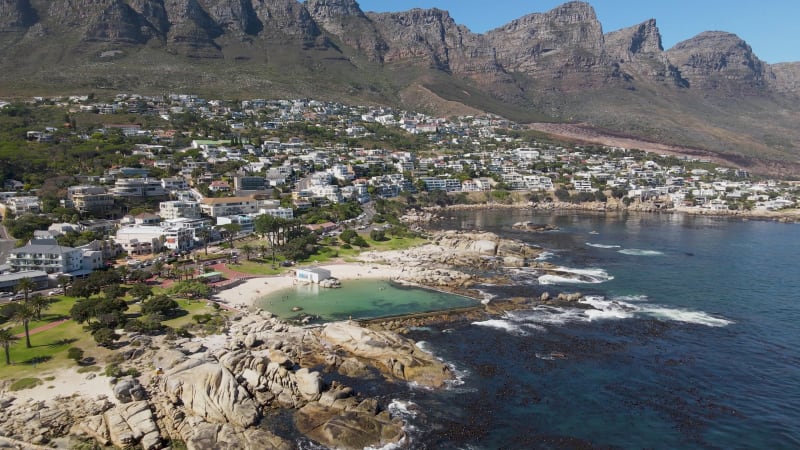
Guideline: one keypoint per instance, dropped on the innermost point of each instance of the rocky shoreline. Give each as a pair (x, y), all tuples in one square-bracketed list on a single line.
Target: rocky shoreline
[(215, 392), (435, 212), (219, 391)]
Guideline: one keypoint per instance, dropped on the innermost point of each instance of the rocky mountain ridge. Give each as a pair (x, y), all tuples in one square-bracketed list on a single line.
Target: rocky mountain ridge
[(559, 63)]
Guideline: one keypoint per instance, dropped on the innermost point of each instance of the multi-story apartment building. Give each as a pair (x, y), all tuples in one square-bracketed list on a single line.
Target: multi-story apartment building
[(144, 239), (22, 205), (92, 199), (138, 188), (47, 256), (174, 184), (228, 206), (179, 209)]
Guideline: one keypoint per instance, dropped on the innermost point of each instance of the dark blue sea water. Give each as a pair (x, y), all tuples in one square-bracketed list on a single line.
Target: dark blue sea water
[(692, 342)]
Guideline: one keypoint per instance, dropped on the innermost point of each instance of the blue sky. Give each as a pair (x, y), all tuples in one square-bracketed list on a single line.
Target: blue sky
[(769, 26)]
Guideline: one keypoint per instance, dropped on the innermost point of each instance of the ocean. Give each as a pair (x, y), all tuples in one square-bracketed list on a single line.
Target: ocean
[(691, 341)]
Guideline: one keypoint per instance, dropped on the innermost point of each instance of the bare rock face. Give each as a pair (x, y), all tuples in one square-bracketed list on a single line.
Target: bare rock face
[(210, 391), (192, 30), (213, 436), (345, 20), (561, 43), (235, 16), (785, 77), (16, 15), (716, 60), (284, 19), (349, 429), (638, 53), (389, 352)]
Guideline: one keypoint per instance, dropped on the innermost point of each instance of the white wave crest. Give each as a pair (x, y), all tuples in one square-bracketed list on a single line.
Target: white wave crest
[(682, 315), (403, 408), (562, 275), (640, 252), (605, 309), (544, 256), (602, 245), (502, 324), (602, 308)]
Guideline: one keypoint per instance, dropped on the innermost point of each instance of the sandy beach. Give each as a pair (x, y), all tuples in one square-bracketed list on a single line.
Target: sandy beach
[(244, 295)]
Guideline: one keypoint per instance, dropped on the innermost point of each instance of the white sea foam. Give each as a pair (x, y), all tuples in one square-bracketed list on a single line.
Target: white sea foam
[(544, 256), (640, 252), (681, 315), (605, 309), (570, 275), (602, 308), (403, 408), (502, 324), (602, 245)]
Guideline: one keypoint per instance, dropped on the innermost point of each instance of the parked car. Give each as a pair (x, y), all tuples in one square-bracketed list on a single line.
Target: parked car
[(52, 293)]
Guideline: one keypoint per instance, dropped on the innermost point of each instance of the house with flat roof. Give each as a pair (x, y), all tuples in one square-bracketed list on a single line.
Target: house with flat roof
[(312, 275)]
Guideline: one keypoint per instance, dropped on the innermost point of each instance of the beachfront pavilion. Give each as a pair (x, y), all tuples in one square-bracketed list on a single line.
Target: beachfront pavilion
[(312, 275)]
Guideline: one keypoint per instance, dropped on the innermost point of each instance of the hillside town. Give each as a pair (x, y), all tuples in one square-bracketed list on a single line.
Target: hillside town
[(193, 171)]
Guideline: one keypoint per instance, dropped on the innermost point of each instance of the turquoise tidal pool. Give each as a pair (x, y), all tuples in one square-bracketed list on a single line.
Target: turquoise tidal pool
[(358, 299)]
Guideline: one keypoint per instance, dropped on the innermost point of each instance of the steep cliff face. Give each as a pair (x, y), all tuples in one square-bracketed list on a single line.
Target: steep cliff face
[(716, 60), (118, 23), (235, 16), (431, 36), (16, 15), (154, 13), (284, 19), (638, 53), (192, 30), (785, 78), (560, 43), (345, 20)]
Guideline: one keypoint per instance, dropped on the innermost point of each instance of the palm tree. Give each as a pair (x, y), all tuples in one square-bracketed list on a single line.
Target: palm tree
[(204, 234), (63, 282), (262, 249), (248, 250), (23, 315), (6, 339), (39, 303), (25, 286)]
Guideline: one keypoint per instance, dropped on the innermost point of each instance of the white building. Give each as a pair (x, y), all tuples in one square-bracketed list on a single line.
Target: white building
[(179, 209), (228, 206), (21, 205), (143, 239), (312, 275), (47, 256), (138, 188)]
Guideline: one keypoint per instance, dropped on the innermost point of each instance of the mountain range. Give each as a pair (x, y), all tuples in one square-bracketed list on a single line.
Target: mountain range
[(709, 94)]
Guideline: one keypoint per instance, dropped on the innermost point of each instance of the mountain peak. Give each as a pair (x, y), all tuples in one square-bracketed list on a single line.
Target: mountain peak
[(718, 60)]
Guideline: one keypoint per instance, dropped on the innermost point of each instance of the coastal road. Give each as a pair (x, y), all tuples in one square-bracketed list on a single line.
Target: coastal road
[(6, 244)]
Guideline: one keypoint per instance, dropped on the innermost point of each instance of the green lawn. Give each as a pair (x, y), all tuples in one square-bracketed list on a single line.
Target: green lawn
[(48, 350), (256, 267), (191, 307)]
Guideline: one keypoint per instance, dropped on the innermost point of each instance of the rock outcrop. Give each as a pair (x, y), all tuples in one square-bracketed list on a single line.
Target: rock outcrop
[(219, 397), (716, 60), (390, 353)]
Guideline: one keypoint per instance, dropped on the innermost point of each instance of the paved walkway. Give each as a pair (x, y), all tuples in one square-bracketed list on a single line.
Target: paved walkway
[(44, 327)]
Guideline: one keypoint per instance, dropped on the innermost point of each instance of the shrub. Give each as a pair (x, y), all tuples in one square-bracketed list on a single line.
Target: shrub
[(113, 371), (377, 235), (24, 383), (75, 353)]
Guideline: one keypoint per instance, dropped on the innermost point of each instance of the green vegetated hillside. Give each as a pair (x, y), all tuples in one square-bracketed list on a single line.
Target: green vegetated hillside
[(710, 92)]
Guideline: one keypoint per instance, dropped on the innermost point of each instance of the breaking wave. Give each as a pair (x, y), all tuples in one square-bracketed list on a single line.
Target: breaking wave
[(597, 308), (562, 275), (640, 252), (602, 245)]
